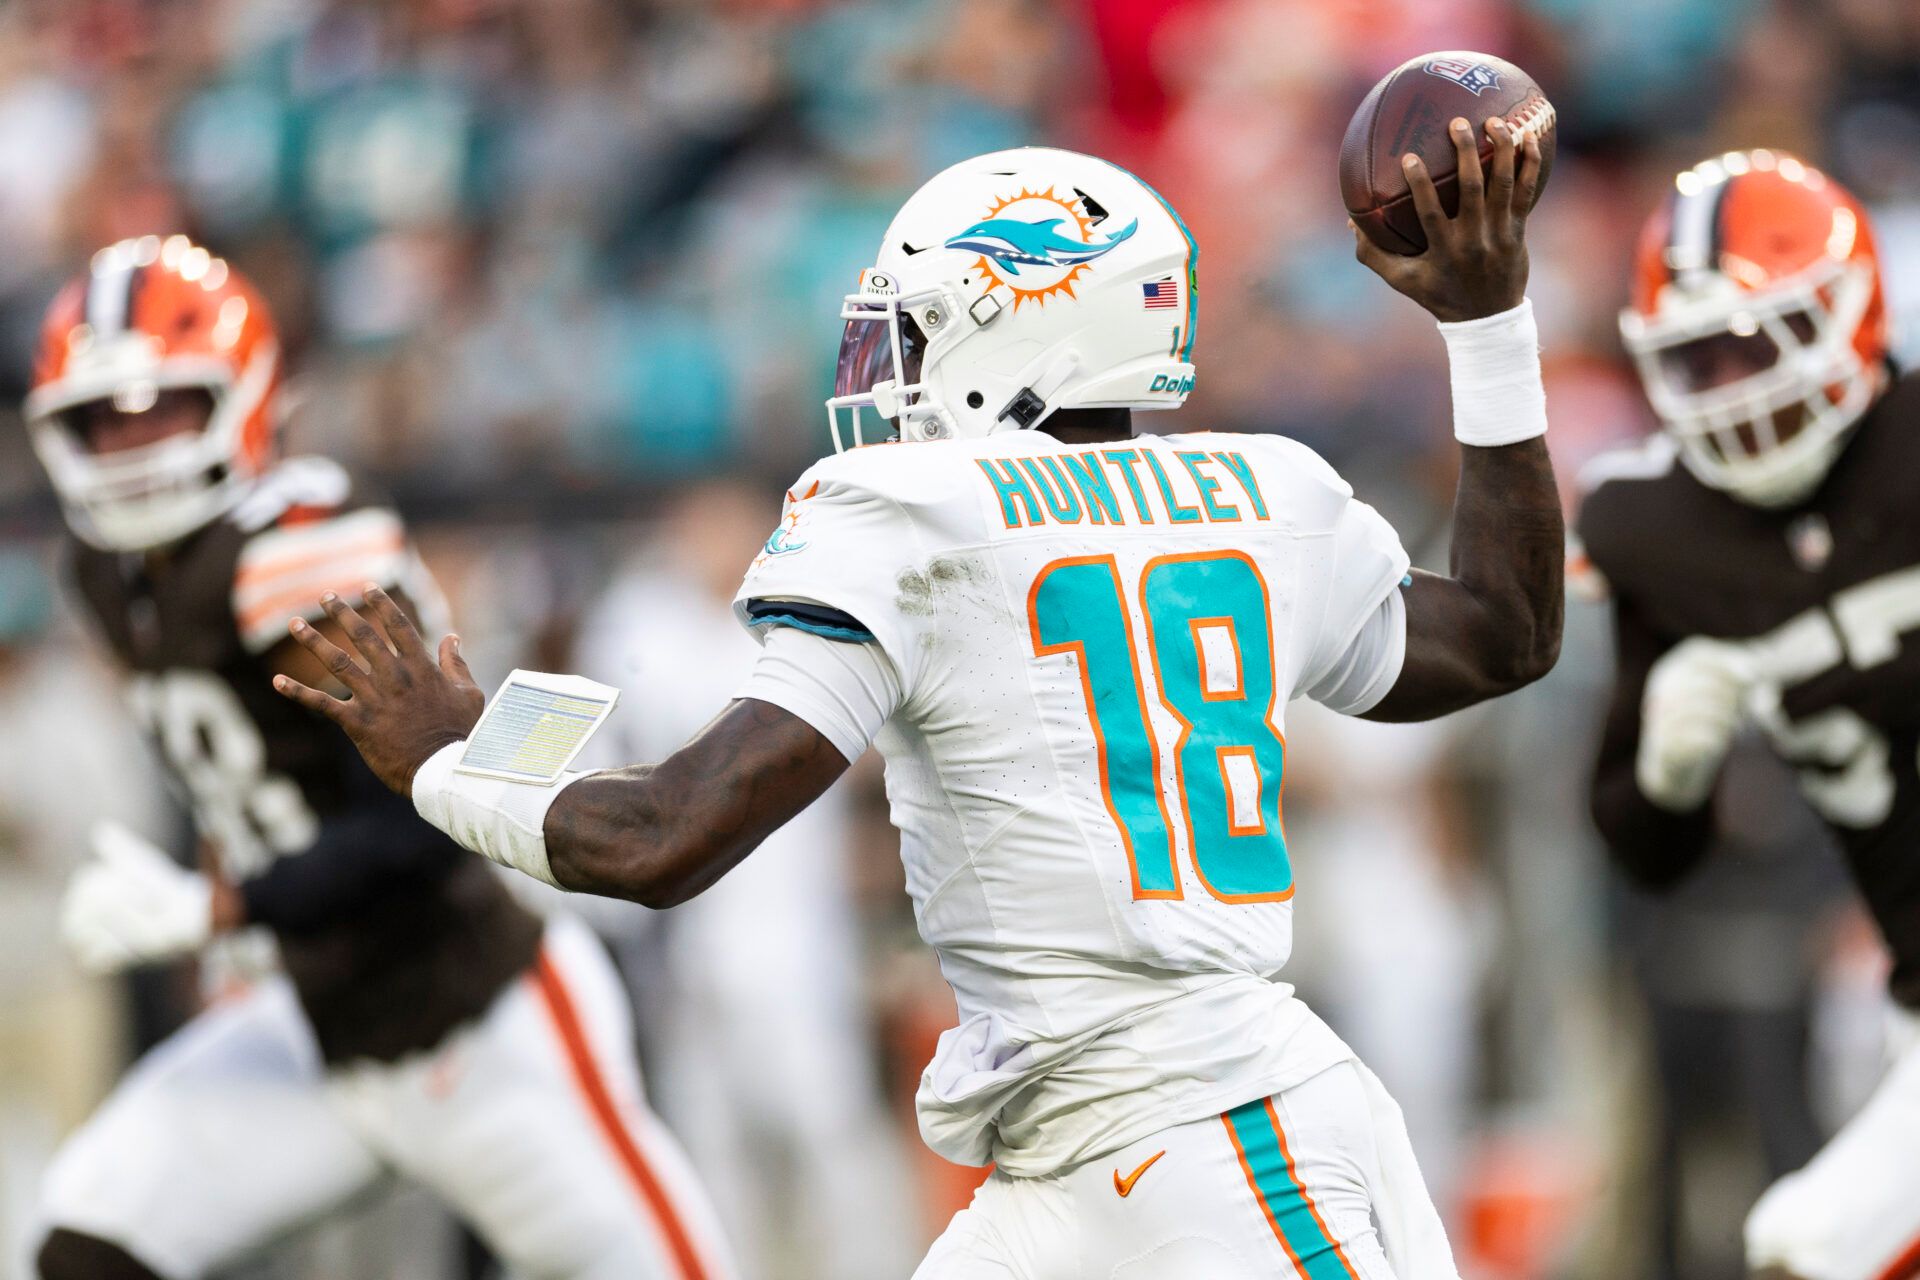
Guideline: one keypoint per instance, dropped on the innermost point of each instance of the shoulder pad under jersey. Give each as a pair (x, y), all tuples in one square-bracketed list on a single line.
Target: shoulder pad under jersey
[(308, 534)]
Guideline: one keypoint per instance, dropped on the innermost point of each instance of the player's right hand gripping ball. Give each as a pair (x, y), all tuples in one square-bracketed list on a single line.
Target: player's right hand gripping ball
[(1409, 111)]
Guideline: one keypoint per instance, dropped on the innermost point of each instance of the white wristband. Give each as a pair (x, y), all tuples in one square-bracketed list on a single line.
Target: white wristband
[(500, 820), (1494, 365)]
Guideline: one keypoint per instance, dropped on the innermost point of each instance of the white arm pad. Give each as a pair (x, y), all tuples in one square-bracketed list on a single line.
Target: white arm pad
[(844, 690), (1494, 366), (499, 820), (1369, 668)]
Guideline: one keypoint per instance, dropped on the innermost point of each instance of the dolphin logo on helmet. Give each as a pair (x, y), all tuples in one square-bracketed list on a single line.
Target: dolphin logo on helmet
[(1042, 308), (1012, 244)]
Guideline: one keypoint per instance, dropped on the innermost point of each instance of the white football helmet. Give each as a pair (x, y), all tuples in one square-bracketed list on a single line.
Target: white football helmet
[(1014, 285)]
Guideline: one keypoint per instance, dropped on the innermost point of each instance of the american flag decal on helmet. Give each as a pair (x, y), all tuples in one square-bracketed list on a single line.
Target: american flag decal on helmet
[(1160, 295)]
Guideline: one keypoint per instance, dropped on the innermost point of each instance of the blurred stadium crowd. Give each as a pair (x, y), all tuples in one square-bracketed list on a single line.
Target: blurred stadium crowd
[(542, 264)]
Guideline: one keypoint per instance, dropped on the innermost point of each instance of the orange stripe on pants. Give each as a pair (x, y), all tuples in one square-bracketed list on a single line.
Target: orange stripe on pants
[(1906, 1266), (600, 1102)]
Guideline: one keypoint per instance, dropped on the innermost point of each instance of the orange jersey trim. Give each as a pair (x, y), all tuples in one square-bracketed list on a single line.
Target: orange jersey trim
[(1220, 756), (1239, 691), (1079, 651), (253, 574), (1186, 725)]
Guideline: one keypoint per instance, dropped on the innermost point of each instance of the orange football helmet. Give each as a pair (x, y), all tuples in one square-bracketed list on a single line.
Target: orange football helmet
[(1758, 323), (149, 317)]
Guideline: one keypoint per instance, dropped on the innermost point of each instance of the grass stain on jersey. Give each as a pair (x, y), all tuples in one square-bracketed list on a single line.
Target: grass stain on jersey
[(917, 589), (916, 593)]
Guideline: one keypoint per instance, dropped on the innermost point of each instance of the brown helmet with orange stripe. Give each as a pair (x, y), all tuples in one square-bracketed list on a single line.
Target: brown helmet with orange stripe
[(1758, 323), (155, 393)]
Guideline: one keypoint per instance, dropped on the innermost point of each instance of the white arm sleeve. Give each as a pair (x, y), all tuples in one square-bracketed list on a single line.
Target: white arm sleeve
[(1360, 677), (1362, 620), (846, 690)]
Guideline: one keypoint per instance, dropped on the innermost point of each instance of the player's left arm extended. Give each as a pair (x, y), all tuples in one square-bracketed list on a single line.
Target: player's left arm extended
[(1493, 623), (662, 833), (654, 833)]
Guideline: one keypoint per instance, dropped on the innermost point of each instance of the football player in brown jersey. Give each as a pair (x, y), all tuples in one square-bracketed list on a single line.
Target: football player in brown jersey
[(424, 1022), (1763, 558)]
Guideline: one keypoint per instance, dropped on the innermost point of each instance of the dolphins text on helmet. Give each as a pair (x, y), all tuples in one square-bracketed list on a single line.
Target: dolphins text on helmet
[(1011, 243)]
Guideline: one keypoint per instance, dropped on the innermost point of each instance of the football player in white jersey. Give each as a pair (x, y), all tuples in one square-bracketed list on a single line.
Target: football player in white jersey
[(1075, 647)]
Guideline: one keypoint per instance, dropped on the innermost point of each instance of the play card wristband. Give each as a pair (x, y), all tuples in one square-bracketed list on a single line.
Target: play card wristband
[(491, 791), (1494, 366)]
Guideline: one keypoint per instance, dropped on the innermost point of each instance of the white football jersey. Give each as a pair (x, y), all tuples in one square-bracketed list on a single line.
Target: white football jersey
[(1095, 647)]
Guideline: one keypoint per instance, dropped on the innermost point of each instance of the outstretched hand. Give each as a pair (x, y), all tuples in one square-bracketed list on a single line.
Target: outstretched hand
[(403, 706), (1475, 262)]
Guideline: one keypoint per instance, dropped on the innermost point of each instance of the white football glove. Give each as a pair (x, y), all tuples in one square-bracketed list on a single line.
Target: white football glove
[(132, 904), (1694, 704)]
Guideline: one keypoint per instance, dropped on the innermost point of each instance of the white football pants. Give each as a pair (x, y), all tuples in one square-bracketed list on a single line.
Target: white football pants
[(1854, 1212), (1318, 1181), (530, 1124)]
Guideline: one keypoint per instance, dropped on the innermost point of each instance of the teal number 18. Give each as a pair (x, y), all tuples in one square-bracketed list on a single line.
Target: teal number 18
[(1211, 647)]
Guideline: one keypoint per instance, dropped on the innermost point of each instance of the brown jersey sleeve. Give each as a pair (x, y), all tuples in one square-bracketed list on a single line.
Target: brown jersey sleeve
[(357, 856), (283, 570), (1655, 847)]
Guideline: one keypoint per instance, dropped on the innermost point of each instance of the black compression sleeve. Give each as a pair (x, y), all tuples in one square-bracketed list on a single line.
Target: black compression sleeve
[(357, 856), (1655, 847)]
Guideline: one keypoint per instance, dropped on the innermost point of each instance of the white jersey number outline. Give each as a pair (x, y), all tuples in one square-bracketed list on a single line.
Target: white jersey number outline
[(1849, 775), (251, 814)]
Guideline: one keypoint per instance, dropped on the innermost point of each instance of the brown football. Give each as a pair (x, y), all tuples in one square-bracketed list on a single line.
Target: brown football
[(1409, 110)]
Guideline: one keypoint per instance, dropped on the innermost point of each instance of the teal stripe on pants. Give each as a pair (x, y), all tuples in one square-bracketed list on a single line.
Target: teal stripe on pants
[(1275, 1181)]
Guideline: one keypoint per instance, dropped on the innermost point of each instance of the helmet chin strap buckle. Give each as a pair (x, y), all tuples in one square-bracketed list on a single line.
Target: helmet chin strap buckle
[(1025, 409), (886, 401)]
